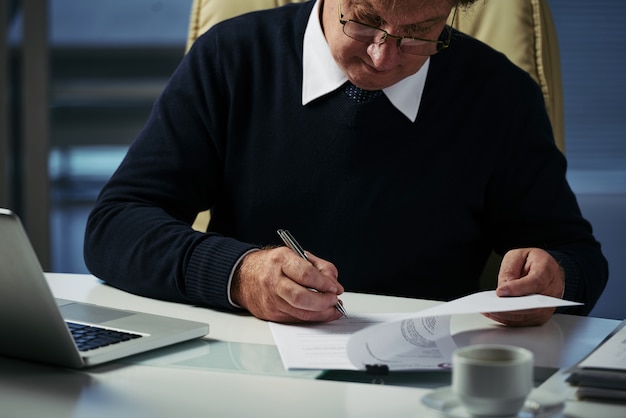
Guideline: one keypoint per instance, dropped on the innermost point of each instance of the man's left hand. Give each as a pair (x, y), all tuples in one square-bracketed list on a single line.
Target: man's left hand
[(527, 271)]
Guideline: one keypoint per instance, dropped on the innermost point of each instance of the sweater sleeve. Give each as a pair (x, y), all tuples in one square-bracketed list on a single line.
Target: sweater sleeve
[(139, 236), (532, 205)]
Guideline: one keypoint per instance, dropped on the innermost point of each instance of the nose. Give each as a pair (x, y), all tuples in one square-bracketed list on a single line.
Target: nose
[(384, 54)]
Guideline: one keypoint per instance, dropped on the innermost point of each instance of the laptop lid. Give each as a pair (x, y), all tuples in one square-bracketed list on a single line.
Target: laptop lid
[(34, 325)]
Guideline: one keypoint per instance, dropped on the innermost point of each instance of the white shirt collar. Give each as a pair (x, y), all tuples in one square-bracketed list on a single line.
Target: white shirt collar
[(321, 74)]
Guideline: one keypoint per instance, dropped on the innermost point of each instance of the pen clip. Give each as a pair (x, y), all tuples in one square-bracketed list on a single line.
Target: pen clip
[(291, 242)]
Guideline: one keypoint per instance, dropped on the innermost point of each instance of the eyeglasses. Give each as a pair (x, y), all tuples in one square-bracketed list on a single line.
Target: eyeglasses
[(369, 34)]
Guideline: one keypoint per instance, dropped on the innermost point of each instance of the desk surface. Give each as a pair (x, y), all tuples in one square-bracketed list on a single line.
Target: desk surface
[(235, 370)]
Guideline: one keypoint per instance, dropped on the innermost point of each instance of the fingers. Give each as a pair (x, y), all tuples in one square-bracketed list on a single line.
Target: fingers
[(276, 285), (305, 296), (528, 271), (316, 273), (513, 269), (526, 318)]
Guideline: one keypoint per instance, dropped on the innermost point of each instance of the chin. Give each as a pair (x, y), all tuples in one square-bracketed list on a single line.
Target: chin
[(368, 81), (373, 85), (374, 80)]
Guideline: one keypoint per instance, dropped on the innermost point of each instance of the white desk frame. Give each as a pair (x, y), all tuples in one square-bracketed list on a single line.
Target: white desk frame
[(125, 389)]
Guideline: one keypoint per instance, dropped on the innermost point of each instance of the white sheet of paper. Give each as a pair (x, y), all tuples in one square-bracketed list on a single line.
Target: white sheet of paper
[(420, 340), (610, 355), (322, 346), (488, 301), (420, 343)]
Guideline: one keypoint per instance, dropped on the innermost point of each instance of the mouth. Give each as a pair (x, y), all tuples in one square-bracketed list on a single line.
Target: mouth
[(371, 78)]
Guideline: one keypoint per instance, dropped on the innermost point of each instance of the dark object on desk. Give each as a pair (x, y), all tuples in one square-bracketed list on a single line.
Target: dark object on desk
[(418, 379), (34, 324), (600, 379), (599, 384), (602, 374)]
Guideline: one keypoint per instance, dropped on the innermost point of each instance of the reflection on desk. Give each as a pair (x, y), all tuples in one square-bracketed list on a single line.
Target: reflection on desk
[(207, 354)]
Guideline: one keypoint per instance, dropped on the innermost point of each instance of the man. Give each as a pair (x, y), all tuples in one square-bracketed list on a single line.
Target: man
[(403, 192)]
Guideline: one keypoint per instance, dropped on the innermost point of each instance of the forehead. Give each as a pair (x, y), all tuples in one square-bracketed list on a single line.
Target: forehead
[(407, 11)]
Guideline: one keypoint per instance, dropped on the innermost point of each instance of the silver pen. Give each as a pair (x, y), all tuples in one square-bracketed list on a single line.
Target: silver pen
[(291, 242)]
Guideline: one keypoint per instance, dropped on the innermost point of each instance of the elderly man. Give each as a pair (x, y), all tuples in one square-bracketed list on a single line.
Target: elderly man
[(400, 152)]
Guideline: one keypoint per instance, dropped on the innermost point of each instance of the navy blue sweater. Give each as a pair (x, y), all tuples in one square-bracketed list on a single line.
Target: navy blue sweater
[(401, 208)]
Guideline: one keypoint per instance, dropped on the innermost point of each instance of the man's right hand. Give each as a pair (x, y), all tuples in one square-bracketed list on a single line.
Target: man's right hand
[(275, 284)]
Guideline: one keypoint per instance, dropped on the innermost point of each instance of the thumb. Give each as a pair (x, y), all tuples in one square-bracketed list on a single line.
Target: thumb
[(513, 267)]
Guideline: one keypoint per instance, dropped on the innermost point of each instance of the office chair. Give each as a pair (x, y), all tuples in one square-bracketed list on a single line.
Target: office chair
[(523, 30)]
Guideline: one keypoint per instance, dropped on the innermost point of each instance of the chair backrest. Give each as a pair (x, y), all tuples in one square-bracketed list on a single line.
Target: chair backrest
[(521, 29), (524, 31), (206, 13)]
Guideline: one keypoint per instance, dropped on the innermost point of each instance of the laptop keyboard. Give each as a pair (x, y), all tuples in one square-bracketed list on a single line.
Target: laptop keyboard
[(89, 337)]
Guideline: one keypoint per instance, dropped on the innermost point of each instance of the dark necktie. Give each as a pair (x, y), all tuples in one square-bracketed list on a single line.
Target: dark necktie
[(359, 95)]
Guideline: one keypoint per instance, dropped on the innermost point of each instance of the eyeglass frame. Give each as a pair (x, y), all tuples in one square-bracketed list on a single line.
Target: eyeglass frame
[(441, 45)]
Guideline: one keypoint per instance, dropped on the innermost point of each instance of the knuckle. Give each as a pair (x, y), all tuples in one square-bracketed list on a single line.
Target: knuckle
[(309, 273)]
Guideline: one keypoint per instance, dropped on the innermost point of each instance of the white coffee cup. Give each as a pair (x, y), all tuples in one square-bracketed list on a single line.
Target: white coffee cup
[(492, 379)]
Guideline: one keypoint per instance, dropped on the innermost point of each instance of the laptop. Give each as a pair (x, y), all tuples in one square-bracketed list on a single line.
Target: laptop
[(37, 327)]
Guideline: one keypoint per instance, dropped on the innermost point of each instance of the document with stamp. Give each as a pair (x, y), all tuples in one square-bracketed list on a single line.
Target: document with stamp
[(414, 341)]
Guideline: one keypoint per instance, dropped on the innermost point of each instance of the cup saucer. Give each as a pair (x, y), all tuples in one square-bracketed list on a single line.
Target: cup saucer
[(540, 404)]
